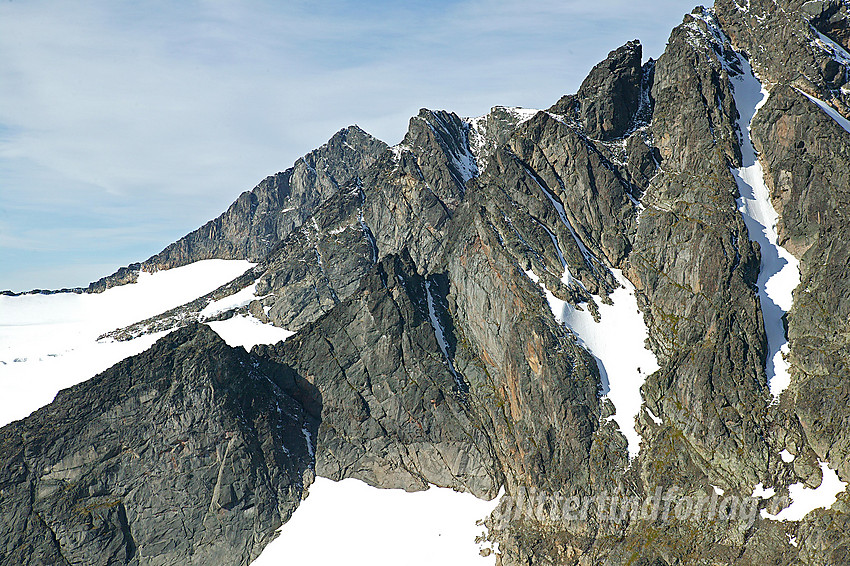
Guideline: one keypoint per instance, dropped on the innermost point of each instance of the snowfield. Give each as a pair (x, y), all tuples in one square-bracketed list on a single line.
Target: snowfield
[(49, 342), (618, 342), (804, 500), (350, 522)]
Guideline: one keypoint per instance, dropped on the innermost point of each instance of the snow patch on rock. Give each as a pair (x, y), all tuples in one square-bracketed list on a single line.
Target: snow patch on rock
[(833, 49), (247, 331), (780, 273), (617, 342), (239, 299), (804, 500), (830, 111), (439, 333), (761, 492)]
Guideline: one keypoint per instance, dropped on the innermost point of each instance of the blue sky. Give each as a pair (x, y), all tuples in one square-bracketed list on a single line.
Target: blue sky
[(125, 125)]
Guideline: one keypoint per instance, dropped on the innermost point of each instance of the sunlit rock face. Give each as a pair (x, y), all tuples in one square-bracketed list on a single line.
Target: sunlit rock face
[(626, 313)]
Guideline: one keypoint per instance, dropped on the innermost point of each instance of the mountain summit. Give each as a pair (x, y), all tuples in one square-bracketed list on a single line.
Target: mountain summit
[(626, 313)]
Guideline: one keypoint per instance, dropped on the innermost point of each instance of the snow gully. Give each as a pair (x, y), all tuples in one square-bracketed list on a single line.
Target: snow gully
[(779, 273)]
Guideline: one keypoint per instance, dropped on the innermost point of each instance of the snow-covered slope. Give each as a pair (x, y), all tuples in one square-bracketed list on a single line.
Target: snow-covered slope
[(350, 522), (49, 342), (617, 342)]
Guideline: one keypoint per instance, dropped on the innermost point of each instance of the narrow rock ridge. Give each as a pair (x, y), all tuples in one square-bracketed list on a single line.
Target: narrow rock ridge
[(275, 208)]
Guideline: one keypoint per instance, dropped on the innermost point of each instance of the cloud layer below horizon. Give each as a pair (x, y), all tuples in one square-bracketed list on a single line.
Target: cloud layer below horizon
[(123, 127)]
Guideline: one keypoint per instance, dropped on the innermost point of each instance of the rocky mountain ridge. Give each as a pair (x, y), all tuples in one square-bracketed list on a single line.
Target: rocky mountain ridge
[(422, 282)]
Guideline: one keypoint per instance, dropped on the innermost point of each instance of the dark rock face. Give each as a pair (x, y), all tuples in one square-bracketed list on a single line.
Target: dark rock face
[(782, 41), (807, 162), (610, 95), (400, 208), (394, 413), (123, 276), (319, 265), (277, 206), (693, 261), (440, 142), (262, 217), (192, 452), (532, 385)]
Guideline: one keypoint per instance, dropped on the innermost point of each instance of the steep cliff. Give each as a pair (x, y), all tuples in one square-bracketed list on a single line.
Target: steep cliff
[(190, 453)]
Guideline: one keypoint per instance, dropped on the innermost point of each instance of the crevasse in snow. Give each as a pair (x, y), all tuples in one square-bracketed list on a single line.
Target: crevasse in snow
[(780, 272)]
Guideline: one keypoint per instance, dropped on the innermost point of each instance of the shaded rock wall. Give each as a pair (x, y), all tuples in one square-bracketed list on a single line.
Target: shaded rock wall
[(190, 453)]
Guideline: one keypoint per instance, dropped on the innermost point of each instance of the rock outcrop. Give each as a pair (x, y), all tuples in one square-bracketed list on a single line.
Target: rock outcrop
[(611, 94), (265, 215), (190, 453), (395, 412)]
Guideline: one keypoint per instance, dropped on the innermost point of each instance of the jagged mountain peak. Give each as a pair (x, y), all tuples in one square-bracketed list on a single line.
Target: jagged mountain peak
[(596, 300), (610, 95), (210, 429)]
